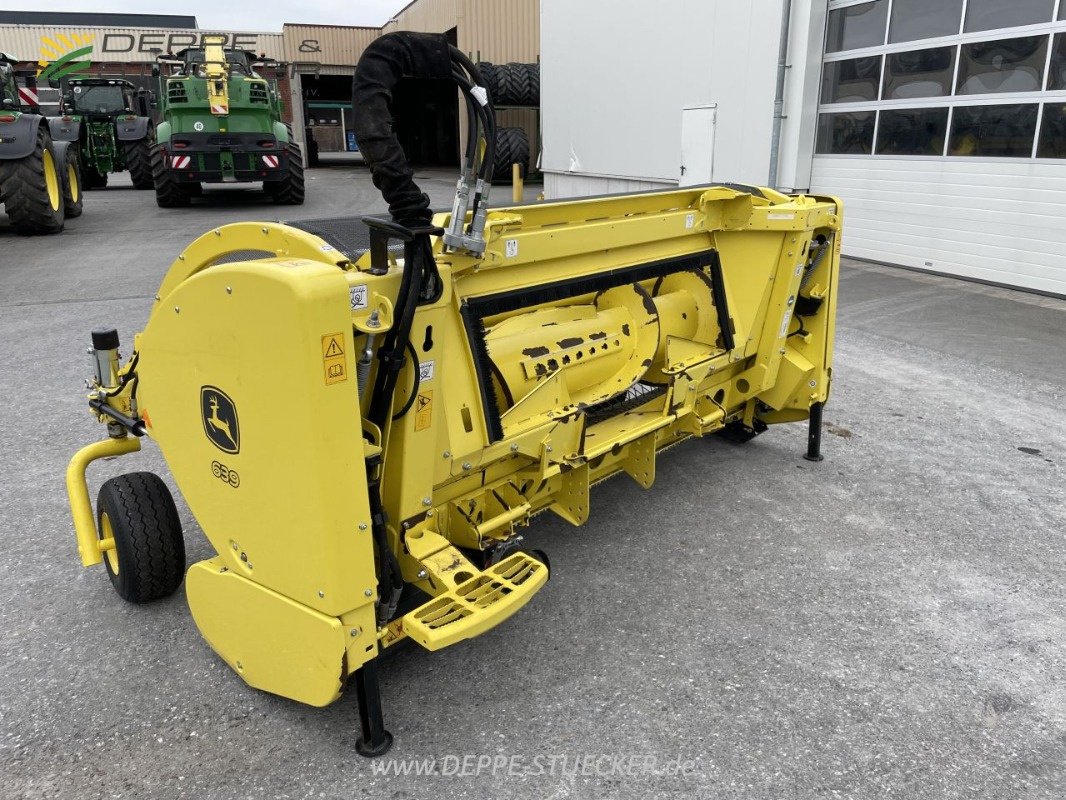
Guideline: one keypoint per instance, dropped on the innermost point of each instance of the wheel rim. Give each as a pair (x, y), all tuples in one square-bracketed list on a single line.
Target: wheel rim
[(51, 180), (75, 185), (107, 532)]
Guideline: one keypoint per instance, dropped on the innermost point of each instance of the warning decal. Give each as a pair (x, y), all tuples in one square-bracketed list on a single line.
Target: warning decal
[(423, 410), (333, 361)]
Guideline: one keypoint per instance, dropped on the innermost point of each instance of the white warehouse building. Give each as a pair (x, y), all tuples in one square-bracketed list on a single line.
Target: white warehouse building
[(941, 124)]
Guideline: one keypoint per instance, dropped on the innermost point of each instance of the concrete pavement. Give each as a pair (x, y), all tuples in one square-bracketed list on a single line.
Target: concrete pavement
[(890, 623)]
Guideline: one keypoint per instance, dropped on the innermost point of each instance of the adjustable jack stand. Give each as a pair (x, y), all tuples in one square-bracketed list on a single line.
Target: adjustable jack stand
[(374, 740), (814, 434)]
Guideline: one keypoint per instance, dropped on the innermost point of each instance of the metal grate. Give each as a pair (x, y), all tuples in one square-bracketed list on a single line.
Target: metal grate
[(348, 235), (636, 395)]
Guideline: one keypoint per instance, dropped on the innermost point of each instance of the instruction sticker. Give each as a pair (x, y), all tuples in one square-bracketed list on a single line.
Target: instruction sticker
[(787, 318), (360, 296), (690, 221), (423, 410), (511, 248), (425, 371), (333, 362)]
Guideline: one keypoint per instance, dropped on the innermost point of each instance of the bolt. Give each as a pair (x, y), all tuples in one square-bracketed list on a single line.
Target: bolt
[(264, 230), (244, 557), (157, 298), (422, 574), (355, 632), (467, 465), (217, 232), (362, 526), (781, 351), (181, 258), (812, 384), (548, 448), (240, 666), (229, 290), (177, 310), (426, 501), (368, 593), (514, 447), (321, 593), (234, 545), (429, 513), (791, 300), (406, 526), (447, 453)]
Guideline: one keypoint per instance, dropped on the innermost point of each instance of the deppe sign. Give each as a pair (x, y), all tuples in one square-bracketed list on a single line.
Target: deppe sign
[(151, 42)]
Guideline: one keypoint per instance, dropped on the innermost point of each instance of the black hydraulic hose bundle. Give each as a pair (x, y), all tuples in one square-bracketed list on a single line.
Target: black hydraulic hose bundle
[(383, 64)]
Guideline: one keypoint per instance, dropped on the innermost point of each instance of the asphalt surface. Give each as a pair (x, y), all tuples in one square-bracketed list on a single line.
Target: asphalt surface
[(890, 623)]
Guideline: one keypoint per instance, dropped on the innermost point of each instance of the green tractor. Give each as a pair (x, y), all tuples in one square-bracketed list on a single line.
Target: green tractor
[(40, 182), (221, 123), (110, 120)]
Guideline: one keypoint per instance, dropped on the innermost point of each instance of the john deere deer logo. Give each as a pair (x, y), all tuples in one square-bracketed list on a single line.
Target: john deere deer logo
[(220, 419)]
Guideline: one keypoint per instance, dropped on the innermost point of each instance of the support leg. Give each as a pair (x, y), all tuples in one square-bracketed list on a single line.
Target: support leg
[(814, 434), (374, 740)]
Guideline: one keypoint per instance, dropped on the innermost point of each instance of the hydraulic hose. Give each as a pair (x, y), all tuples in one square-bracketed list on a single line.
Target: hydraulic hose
[(380, 68)]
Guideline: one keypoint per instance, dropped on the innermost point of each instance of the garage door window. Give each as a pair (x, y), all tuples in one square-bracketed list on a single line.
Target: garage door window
[(846, 133), (851, 80), (1004, 65), (1005, 130), (924, 19), (1056, 78), (919, 73), (912, 131), (1053, 132), (984, 15), (858, 26)]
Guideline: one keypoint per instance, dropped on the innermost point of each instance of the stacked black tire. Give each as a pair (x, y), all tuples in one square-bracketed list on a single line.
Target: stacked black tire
[(512, 147), (514, 85)]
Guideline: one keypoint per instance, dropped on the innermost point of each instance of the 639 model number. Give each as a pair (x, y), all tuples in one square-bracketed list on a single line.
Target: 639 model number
[(224, 473)]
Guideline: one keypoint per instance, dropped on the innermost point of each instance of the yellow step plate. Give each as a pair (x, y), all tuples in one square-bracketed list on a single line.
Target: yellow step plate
[(477, 604)]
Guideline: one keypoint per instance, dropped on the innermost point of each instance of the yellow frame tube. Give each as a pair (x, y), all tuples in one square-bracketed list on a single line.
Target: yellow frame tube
[(81, 507)]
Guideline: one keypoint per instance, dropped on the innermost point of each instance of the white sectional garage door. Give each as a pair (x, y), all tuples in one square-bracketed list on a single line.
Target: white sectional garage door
[(942, 127)]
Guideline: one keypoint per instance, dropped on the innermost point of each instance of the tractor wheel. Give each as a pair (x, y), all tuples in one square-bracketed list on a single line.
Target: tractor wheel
[(168, 192), (92, 179), (139, 162), (69, 165), (533, 95), (289, 191), (32, 189), (512, 147), (137, 512)]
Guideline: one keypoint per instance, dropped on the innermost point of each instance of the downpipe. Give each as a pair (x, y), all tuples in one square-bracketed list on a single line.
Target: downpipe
[(779, 95)]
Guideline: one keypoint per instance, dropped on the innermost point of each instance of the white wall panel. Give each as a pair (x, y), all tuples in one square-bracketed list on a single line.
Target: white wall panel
[(615, 77), (998, 221)]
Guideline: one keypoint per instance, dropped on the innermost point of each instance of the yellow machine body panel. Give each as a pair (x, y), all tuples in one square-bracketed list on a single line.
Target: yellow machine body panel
[(304, 659), (247, 383), (589, 336)]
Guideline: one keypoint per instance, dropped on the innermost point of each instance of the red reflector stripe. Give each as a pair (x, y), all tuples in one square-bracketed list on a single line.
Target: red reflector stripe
[(270, 161), (180, 162)]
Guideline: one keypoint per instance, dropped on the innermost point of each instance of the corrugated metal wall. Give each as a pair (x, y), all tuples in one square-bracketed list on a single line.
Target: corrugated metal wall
[(327, 44), (500, 30), (427, 16)]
